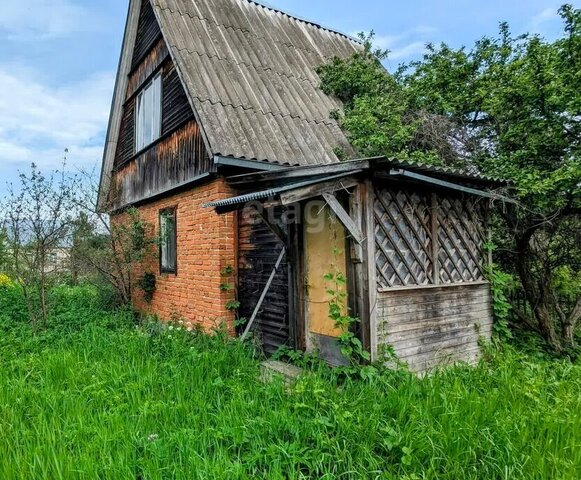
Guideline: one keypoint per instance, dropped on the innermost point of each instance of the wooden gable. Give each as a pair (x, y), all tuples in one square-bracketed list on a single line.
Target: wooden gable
[(179, 154)]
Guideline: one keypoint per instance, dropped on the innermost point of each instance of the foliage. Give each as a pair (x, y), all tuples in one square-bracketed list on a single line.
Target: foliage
[(38, 222), (109, 249), (228, 287), (508, 107), (147, 283), (351, 346), (96, 397), (501, 283)]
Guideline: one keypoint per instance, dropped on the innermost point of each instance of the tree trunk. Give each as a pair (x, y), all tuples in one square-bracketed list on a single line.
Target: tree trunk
[(537, 289), (569, 324)]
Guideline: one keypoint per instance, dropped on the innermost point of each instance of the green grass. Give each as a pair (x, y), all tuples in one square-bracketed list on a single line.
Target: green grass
[(95, 397)]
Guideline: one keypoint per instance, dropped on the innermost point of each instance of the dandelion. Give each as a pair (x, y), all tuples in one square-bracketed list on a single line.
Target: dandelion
[(171, 327)]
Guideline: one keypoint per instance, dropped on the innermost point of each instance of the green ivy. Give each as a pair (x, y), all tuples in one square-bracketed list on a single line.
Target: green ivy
[(500, 285), (147, 283)]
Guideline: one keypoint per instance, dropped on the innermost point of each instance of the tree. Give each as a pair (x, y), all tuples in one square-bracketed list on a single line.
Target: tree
[(113, 249), (38, 221), (509, 107)]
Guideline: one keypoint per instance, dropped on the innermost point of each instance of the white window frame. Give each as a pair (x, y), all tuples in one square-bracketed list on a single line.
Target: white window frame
[(148, 114)]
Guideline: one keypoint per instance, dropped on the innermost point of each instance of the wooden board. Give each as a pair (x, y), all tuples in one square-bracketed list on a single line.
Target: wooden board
[(325, 242), (430, 326), (258, 251)]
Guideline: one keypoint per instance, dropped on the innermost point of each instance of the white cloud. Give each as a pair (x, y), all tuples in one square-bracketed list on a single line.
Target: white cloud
[(407, 44), (38, 121), (541, 23), (406, 51), (44, 19), (547, 15)]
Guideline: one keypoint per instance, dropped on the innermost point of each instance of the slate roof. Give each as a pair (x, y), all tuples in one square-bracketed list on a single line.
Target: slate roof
[(249, 71)]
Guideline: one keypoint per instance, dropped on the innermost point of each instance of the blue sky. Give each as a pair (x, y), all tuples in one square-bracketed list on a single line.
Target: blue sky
[(58, 60)]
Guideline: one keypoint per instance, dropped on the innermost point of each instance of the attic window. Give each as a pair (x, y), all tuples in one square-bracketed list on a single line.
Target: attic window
[(148, 117)]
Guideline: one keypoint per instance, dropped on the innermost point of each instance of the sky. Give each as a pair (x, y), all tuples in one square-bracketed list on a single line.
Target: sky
[(58, 60)]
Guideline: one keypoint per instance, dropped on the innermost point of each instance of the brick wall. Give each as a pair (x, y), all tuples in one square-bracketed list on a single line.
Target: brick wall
[(206, 244)]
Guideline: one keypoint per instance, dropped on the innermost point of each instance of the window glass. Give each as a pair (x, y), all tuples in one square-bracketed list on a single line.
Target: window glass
[(168, 247), (148, 117)]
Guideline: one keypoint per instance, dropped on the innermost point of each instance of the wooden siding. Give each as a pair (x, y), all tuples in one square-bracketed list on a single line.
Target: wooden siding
[(259, 249), (126, 145), (148, 33), (179, 157), (176, 108), (156, 57), (434, 326), (180, 153)]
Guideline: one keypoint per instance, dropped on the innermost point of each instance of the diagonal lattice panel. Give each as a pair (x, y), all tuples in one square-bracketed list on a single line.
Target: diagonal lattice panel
[(460, 239), (403, 238)]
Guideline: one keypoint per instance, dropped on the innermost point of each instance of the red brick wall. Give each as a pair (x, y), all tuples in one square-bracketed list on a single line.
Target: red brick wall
[(206, 245)]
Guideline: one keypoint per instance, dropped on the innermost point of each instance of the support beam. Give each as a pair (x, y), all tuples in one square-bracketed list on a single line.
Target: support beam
[(442, 183), (346, 220), (263, 296), (371, 268), (356, 213), (274, 228), (295, 195)]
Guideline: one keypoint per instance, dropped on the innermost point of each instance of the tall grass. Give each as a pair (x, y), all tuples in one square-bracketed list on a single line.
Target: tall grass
[(96, 397)]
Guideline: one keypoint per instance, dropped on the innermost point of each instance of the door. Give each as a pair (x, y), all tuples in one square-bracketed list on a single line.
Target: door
[(325, 259), (258, 251)]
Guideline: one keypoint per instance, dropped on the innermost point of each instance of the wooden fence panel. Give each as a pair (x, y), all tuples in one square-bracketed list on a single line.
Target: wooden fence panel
[(461, 236), (403, 239), (407, 223)]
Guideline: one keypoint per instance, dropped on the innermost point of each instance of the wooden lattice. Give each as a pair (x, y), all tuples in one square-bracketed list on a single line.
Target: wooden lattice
[(408, 223), (403, 239), (461, 237)]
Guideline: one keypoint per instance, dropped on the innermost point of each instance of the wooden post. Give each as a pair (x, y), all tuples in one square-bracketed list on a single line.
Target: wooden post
[(370, 282), (356, 213), (435, 240), (358, 267)]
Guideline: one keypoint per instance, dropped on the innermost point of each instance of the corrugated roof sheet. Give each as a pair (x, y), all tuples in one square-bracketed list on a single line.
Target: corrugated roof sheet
[(250, 72)]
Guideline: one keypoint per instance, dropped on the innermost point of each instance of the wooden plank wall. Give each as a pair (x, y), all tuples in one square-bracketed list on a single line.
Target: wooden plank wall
[(258, 251), (148, 32), (178, 158), (434, 326)]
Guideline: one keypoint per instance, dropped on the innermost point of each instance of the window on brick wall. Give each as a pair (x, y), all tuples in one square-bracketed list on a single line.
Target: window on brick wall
[(168, 241)]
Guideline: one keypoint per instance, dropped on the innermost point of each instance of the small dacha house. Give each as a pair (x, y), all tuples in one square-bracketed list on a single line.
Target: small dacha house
[(221, 137)]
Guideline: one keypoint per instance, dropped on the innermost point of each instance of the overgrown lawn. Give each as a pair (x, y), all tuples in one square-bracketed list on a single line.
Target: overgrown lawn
[(96, 397)]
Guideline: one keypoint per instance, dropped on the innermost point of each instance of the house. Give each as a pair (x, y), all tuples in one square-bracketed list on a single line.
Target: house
[(221, 138)]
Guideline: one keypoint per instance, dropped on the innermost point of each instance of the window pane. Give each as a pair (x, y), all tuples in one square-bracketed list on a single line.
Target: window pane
[(148, 115), (156, 108), (168, 247)]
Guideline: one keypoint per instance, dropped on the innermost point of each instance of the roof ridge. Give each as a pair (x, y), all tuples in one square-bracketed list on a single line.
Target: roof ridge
[(245, 30), (269, 112), (302, 19)]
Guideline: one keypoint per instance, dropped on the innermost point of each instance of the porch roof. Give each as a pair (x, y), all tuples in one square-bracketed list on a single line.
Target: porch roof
[(276, 186)]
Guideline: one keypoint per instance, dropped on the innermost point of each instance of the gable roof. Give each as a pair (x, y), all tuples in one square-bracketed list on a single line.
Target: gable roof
[(249, 71)]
